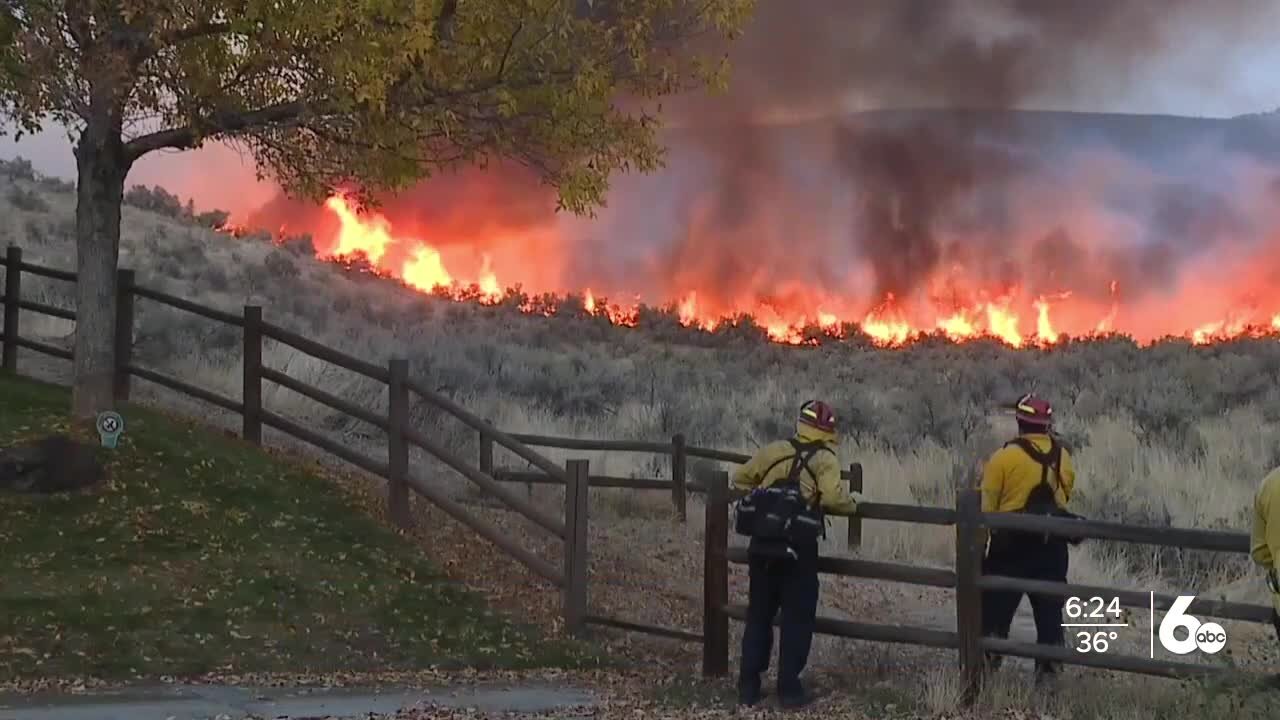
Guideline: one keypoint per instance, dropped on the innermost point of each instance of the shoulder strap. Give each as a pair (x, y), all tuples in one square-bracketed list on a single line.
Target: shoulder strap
[(775, 464), (1047, 460), (800, 460), (805, 453)]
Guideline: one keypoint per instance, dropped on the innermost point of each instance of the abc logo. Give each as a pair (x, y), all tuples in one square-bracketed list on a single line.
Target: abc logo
[(1207, 637)]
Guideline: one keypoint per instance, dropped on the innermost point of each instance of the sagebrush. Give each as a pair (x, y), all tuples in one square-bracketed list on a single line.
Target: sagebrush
[(1172, 434)]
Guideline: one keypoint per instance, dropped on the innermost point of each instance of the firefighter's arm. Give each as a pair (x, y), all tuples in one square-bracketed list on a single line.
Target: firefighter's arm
[(1259, 548), (993, 482), (1068, 476), (1265, 534), (1272, 534), (836, 498), (747, 476), (992, 488)]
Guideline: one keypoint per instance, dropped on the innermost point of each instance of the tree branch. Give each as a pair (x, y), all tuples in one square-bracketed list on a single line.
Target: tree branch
[(506, 53), (184, 138), (444, 23), (78, 23), (191, 32)]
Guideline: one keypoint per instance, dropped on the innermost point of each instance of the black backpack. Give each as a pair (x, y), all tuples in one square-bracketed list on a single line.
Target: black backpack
[(779, 514), (1042, 500)]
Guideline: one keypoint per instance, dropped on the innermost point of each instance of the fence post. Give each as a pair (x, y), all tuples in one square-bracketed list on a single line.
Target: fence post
[(715, 574), (969, 547), (12, 294), (679, 477), (251, 389), (855, 522), (397, 446), (577, 476), (124, 334)]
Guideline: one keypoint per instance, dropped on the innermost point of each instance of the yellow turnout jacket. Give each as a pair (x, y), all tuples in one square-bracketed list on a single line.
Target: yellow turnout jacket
[(1010, 475), (1265, 542), (834, 499)]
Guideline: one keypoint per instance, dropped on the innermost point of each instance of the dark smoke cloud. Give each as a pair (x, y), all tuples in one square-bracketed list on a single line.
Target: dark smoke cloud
[(971, 53), (791, 188), (915, 176)]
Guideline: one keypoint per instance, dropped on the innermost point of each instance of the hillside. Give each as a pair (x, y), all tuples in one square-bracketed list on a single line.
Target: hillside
[(202, 554), (1172, 434), (1151, 138)]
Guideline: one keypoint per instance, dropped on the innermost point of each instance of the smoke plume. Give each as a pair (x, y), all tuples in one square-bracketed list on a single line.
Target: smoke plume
[(875, 151), (919, 178)]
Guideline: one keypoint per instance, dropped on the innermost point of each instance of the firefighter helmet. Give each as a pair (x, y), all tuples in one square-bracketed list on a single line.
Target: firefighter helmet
[(1033, 410), (818, 414)]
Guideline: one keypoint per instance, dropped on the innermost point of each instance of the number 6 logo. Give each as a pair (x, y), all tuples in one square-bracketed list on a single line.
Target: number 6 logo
[(1208, 637)]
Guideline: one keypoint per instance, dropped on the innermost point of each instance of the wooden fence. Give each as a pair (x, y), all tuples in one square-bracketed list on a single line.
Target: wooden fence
[(969, 581), (966, 578), (571, 529), (678, 485)]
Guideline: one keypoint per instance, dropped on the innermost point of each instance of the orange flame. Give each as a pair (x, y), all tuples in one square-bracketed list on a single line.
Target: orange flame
[(423, 266)]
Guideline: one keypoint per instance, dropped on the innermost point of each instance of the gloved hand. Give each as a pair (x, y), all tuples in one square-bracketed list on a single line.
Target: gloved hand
[(858, 497)]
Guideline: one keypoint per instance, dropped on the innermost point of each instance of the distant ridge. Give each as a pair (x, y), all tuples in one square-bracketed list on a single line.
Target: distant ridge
[(1147, 136)]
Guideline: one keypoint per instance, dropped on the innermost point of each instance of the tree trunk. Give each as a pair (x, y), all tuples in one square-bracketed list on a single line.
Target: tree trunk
[(102, 166)]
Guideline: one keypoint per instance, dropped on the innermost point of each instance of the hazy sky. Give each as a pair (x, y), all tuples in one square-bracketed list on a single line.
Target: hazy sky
[(1206, 72)]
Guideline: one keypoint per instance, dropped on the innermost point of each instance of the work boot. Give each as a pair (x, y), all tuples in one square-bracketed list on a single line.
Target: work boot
[(795, 701), (749, 691), (1046, 672)]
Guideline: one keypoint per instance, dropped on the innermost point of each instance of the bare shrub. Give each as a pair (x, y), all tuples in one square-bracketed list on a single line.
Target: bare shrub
[(28, 200)]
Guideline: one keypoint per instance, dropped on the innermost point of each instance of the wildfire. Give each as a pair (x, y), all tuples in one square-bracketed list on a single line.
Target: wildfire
[(423, 266)]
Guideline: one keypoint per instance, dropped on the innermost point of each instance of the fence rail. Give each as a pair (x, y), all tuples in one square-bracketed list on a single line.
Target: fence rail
[(678, 485), (966, 579), (400, 436), (969, 583)]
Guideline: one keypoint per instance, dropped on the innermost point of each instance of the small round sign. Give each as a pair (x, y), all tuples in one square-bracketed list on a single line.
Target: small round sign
[(110, 427)]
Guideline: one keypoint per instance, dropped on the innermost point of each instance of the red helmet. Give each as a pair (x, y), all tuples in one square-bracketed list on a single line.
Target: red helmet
[(818, 414), (1033, 410)]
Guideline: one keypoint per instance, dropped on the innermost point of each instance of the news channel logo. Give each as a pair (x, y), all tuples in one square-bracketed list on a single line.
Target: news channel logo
[(1097, 623), (1207, 637)]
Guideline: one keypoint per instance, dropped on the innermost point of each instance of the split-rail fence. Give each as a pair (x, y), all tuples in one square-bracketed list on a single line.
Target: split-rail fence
[(965, 578)]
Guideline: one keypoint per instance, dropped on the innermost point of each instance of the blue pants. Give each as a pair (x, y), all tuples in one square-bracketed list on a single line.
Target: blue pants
[(789, 586)]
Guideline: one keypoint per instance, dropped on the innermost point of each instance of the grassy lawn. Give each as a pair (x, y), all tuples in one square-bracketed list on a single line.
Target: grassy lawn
[(205, 554)]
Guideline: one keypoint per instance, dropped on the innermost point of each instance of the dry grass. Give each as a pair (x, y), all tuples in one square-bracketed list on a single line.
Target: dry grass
[(1164, 436)]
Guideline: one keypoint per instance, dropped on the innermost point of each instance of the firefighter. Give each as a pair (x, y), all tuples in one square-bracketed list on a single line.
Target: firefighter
[(1265, 541), (783, 575), (1032, 473)]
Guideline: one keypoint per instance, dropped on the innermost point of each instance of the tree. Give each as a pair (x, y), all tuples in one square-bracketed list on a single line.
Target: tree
[(365, 96)]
